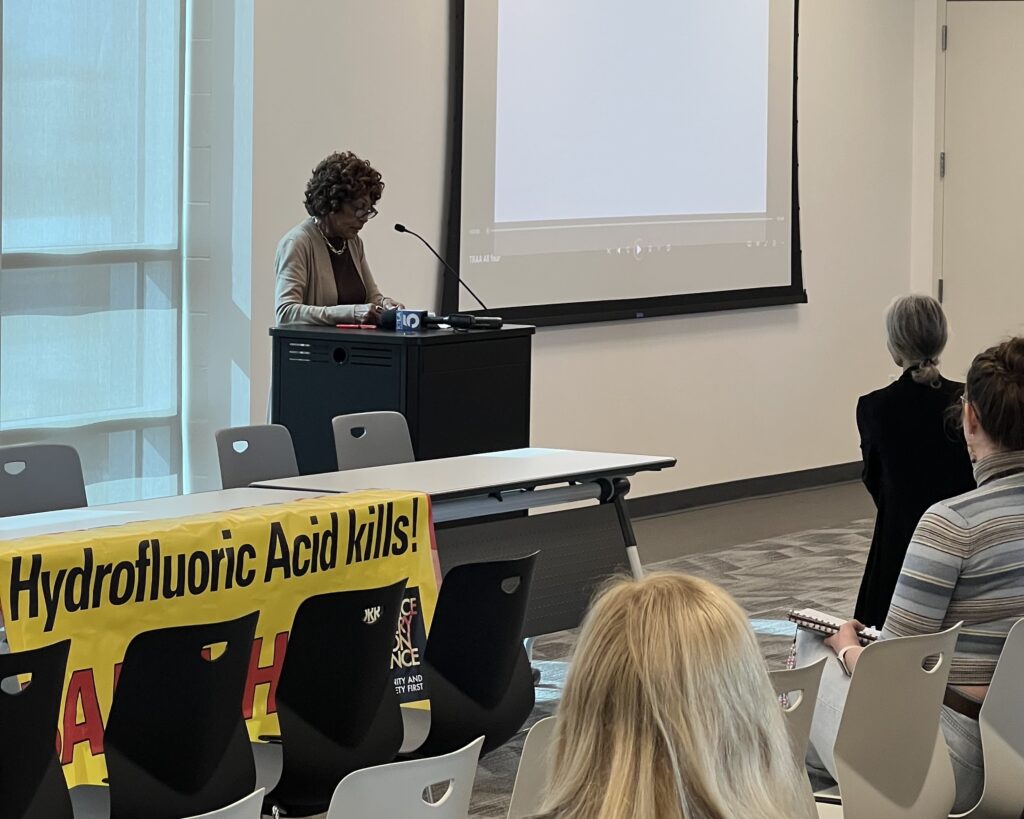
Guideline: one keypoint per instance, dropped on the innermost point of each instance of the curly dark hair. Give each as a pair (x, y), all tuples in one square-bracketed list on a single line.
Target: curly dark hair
[(339, 180)]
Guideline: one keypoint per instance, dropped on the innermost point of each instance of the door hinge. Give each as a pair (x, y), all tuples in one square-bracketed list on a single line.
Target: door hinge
[(942, 289), (942, 165), (945, 37)]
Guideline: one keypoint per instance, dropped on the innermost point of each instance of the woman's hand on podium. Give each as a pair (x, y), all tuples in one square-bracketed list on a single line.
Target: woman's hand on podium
[(367, 313)]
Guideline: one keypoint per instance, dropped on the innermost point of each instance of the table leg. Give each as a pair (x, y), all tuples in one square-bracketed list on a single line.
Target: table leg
[(618, 488)]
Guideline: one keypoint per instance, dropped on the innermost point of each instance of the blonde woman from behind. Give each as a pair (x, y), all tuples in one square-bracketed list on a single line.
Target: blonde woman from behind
[(668, 713)]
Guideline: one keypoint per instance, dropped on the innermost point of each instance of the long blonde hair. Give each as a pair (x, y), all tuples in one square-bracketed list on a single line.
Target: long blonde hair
[(668, 712)]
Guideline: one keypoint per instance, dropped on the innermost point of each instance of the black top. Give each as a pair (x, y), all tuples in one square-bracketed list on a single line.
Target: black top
[(351, 289), (914, 456)]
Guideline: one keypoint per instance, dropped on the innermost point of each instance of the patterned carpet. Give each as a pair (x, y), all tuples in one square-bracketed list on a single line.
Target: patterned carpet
[(820, 568)]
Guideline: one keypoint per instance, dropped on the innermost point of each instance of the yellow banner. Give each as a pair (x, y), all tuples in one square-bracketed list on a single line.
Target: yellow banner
[(102, 587)]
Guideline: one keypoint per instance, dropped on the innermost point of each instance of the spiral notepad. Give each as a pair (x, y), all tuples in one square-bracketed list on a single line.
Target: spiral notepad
[(814, 620)]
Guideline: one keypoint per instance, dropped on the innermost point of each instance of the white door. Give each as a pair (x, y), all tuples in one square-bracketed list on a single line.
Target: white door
[(983, 190)]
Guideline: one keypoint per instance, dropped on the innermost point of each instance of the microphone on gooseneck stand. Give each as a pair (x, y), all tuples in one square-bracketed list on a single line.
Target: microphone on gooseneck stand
[(452, 270)]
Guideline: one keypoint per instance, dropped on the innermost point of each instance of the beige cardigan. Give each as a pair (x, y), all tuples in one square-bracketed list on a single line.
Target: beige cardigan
[(305, 292)]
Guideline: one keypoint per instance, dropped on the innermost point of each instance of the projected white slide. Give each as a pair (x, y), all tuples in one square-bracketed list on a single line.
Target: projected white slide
[(661, 110), (625, 150)]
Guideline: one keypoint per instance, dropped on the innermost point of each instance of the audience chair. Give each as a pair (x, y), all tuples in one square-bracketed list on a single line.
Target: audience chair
[(40, 478), (799, 712), (406, 789), (891, 757), (364, 439), (165, 762), (32, 785), (475, 667), (532, 776), (336, 700), (249, 807), (257, 453), (1002, 735), (93, 802), (267, 757)]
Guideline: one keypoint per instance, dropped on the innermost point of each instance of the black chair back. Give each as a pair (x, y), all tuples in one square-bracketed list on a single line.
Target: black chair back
[(176, 743), (476, 669), (32, 785), (336, 700)]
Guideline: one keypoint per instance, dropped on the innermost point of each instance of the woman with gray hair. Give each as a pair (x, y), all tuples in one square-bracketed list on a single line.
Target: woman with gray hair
[(913, 456)]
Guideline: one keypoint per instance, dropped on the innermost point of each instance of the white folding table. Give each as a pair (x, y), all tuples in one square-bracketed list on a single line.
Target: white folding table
[(579, 549), (114, 514), (494, 483)]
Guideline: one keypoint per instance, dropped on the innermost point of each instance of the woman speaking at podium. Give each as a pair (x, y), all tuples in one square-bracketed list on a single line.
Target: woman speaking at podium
[(322, 273)]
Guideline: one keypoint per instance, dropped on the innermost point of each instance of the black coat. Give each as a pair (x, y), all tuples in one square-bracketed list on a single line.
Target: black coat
[(914, 456)]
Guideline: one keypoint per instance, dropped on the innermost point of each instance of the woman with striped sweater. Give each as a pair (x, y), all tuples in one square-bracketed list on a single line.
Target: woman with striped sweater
[(965, 563)]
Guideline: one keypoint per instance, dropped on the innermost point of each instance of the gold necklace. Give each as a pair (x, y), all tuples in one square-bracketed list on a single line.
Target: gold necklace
[(330, 247)]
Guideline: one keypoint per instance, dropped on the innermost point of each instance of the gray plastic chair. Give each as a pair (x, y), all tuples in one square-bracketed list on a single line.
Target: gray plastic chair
[(93, 802), (257, 453), (397, 789), (532, 776), (891, 756), (364, 439), (249, 807), (40, 478), (1002, 735), (804, 682)]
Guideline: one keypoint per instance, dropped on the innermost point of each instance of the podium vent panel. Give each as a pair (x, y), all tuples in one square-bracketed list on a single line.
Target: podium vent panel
[(304, 351), (312, 352), (371, 356)]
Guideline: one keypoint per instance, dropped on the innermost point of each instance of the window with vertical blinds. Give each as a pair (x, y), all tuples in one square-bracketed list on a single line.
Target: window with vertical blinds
[(90, 276)]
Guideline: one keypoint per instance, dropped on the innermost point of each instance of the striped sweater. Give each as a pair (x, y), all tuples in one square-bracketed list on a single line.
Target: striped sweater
[(966, 563)]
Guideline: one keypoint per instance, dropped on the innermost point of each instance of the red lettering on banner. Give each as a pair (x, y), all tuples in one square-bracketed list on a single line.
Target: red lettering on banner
[(82, 689), (264, 674)]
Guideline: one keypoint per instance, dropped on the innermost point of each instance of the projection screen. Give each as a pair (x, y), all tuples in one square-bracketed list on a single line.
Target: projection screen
[(619, 159)]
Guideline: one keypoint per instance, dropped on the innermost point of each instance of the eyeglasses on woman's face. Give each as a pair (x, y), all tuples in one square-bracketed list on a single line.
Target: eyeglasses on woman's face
[(362, 212)]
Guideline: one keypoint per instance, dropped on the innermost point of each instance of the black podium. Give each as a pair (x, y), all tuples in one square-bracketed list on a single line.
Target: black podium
[(461, 392)]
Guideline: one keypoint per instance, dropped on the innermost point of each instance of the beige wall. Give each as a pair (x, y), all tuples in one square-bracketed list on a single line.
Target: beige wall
[(732, 395), (926, 195)]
